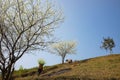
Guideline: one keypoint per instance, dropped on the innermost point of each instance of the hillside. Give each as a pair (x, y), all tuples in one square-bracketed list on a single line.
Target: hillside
[(99, 68)]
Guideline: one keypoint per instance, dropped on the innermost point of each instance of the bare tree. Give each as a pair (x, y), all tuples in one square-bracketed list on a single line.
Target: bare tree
[(24, 25), (108, 43), (63, 48)]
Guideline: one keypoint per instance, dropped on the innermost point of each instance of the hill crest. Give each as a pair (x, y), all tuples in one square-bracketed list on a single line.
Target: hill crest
[(98, 68)]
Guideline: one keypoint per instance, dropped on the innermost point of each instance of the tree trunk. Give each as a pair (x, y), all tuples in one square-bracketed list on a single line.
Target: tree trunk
[(6, 76), (3, 75), (63, 60), (7, 73), (111, 51)]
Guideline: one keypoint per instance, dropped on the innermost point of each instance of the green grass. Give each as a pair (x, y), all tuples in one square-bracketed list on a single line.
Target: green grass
[(99, 68)]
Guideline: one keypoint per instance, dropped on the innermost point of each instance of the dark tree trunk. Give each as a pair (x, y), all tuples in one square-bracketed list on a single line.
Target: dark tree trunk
[(7, 76), (8, 72), (111, 51), (63, 58)]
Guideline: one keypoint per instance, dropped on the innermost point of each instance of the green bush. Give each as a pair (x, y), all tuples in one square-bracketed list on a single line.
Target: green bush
[(21, 70)]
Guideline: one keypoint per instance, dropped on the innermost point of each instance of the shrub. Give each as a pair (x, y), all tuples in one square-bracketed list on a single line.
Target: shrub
[(21, 70)]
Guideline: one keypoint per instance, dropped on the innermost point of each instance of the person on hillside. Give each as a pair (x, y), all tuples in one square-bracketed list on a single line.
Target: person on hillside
[(40, 69), (41, 63)]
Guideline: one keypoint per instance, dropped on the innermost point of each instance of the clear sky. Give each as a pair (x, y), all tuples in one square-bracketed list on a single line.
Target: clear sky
[(87, 22)]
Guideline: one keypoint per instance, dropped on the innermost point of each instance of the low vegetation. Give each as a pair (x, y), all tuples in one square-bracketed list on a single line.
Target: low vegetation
[(99, 68)]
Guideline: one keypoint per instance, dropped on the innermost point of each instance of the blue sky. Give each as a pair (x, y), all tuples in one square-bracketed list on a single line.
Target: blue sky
[(87, 22)]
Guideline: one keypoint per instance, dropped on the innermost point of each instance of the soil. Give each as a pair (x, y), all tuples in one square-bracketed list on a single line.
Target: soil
[(61, 71)]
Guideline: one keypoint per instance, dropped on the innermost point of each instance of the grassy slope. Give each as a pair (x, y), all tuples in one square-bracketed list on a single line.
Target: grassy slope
[(100, 68)]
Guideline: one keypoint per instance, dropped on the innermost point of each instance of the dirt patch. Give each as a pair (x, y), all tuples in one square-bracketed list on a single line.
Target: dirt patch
[(61, 71)]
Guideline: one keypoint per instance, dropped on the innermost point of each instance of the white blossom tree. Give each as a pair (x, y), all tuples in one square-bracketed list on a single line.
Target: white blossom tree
[(25, 25), (63, 48)]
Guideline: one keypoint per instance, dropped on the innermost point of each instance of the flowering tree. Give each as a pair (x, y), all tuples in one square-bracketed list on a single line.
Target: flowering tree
[(63, 48), (24, 25)]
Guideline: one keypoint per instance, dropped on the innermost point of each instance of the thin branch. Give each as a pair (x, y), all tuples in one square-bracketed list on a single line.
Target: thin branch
[(20, 16)]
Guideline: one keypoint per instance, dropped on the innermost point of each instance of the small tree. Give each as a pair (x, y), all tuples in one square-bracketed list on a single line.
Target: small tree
[(108, 44), (63, 48), (21, 69)]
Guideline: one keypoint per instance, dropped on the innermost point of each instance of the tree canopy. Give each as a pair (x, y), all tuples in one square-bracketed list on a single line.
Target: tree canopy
[(25, 25), (108, 44), (63, 48)]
